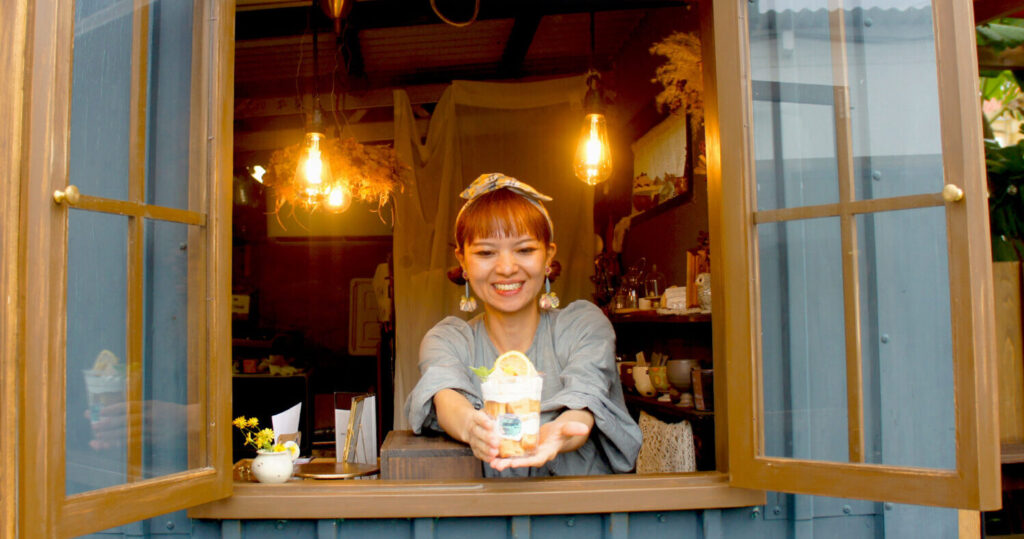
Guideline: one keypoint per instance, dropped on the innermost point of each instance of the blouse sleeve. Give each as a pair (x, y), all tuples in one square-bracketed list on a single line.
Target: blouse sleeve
[(590, 380), (445, 357)]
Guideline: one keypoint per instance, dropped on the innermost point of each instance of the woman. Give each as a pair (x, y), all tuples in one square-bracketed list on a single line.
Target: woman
[(504, 246)]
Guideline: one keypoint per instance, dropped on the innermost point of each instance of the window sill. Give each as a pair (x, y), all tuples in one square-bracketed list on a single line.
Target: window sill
[(318, 499)]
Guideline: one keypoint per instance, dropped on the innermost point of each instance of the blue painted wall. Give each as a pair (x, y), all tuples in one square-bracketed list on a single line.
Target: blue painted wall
[(785, 516)]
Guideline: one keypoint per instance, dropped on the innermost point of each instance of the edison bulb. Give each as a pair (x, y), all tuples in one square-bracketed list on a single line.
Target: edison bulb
[(593, 162), (338, 198), (313, 170)]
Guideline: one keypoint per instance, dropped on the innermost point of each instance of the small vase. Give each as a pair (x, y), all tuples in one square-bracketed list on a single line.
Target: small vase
[(704, 291), (272, 466)]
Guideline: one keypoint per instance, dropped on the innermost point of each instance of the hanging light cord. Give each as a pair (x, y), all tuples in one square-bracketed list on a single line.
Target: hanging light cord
[(592, 40), (316, 63), (476, 11)]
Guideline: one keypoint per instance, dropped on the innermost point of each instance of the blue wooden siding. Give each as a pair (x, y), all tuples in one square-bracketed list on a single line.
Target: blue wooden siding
[(785, 516)]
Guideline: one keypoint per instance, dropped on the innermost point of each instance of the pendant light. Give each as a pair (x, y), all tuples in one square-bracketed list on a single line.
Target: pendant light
[(313, 171), (593, 161)]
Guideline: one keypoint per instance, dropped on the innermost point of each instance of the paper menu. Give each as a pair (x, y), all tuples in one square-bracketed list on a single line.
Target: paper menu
[(286, 422)]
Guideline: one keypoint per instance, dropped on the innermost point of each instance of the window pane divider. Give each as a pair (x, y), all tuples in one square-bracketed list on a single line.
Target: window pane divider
[(138, 209), (854, 207), (136, 240), (848, 231)]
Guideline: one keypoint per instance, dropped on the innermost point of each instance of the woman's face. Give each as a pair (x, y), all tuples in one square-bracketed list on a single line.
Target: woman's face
[(507, 274)]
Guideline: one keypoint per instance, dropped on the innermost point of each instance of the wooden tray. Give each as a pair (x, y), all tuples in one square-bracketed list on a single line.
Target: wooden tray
[(331, 469)]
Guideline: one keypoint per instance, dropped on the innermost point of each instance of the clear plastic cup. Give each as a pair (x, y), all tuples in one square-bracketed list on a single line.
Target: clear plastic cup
[(514, 404), (103, 389)]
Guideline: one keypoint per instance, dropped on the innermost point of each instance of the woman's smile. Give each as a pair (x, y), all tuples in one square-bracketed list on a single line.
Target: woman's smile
[(507, 289)]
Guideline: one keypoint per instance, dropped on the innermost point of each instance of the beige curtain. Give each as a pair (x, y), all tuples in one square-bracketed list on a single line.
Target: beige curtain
[(525, 130)]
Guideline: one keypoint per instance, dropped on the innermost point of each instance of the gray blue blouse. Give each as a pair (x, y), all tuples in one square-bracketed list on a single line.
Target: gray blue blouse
[(574, 349)]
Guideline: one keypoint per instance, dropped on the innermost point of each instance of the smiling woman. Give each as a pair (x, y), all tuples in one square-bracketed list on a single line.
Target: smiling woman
[(503, 243)]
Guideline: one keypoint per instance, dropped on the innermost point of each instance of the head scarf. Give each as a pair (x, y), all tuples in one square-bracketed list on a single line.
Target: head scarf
[(485, 183)]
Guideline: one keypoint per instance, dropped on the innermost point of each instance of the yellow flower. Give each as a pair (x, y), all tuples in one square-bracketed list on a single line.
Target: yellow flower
[(278, 448), (264, 438), (258, 439)]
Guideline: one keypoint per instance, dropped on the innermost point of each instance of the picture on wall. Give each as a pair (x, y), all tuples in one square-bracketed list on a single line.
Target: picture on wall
[(660, 171)]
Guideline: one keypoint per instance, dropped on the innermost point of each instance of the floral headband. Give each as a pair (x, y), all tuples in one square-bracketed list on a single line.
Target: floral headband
[(485, 183)]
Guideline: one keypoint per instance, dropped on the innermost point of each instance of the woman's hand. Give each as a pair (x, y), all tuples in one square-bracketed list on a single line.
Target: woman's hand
[(481, 435), (566, 433), (464, 423)]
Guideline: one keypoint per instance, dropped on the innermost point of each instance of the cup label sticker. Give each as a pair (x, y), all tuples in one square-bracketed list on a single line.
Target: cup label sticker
[(510, 427)]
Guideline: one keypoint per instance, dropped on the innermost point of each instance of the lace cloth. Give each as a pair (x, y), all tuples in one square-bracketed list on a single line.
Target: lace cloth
[(667, 447)]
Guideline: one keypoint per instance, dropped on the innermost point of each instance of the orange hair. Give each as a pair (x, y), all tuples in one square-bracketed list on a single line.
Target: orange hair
[(501, 214)]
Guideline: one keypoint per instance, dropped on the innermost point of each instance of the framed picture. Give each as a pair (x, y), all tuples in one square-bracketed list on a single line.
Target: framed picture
[(660, 165)]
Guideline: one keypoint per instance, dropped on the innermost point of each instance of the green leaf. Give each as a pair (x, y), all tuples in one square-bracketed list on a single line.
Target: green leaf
[(482, 372), (1001, 34)]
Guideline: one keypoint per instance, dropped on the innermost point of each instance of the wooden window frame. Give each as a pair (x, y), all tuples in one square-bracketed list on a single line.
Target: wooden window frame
[(30, 218), (12, 97), (975, 482), (41, 506)]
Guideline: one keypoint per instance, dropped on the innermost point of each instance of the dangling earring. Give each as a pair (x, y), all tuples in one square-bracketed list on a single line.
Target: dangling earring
[(467, 303), (548, 300)]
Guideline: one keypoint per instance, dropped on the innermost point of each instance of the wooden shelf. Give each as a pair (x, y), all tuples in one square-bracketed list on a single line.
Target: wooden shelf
[(667, 409), (654, 317)]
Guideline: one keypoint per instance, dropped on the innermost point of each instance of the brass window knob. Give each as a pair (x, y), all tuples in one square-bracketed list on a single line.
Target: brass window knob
[(952, 193), (69, 196)]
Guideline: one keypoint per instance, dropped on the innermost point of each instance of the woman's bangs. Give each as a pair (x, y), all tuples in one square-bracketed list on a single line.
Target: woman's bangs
[(503, 217)]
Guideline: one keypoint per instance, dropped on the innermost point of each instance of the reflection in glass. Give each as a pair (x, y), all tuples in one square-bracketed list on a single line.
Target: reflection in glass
[(169, 115), (802, 340), (165, 349), (100, 100), (906, 336), (889, 67), (96, 355)]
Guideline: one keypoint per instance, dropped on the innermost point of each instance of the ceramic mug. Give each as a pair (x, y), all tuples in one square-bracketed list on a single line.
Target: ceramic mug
[(643, 381)]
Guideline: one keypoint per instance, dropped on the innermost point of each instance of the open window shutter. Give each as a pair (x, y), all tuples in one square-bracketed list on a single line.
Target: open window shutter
[(127, 390), (852, 265)]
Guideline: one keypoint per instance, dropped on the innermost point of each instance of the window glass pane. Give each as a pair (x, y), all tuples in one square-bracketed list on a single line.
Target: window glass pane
[(894, 116), (894, 98), (795, 158), (96, 358), (906, 335), (802, 340), (167, 401), (170, 72), (101, 98), (794, 127)]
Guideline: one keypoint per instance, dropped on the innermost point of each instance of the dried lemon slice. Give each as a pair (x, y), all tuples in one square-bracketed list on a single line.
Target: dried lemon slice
[(514, 363)]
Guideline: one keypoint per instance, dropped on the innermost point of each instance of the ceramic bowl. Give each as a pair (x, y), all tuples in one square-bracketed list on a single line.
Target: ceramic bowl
[(643, 381), (679, 373)]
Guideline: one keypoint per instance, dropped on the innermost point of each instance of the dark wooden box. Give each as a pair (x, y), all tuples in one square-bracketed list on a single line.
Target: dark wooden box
[(405, 455)]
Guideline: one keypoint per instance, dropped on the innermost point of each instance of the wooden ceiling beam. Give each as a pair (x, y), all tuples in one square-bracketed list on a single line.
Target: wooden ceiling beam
[(259, 107), (274, 139), (277, 19), (518, 44)]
